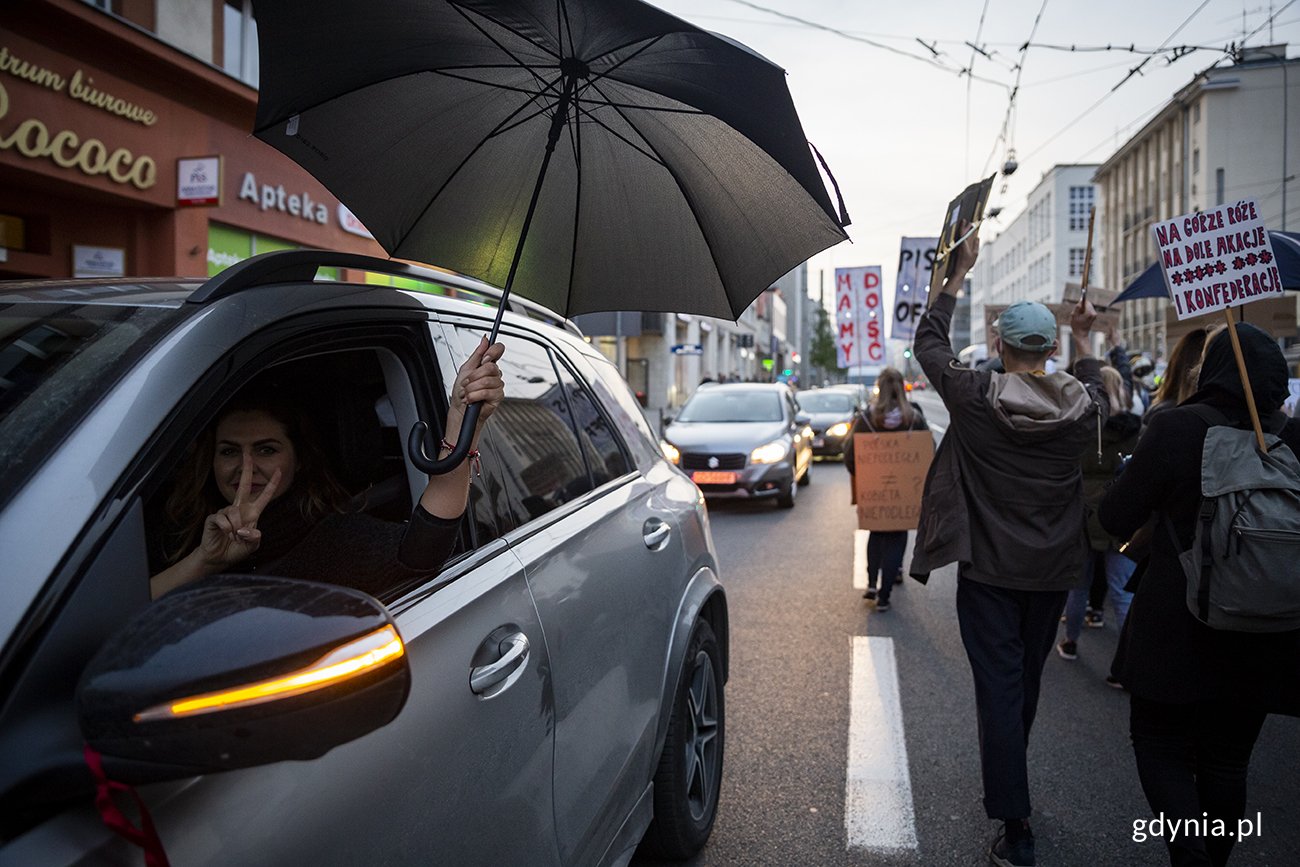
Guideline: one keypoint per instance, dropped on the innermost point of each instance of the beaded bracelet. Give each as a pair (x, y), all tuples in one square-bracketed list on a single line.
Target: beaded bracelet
[(475, 464)]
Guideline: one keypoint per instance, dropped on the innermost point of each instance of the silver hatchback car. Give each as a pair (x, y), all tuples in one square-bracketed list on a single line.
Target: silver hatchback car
[(553, 695)]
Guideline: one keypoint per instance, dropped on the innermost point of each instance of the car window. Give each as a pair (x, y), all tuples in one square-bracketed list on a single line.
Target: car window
[(340, 518), (826, 402), (533, 440), (56, 360), (600, 444), (718, 405), (627, 414)]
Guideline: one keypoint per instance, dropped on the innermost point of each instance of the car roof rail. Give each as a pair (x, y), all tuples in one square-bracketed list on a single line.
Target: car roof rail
[(301, 265)]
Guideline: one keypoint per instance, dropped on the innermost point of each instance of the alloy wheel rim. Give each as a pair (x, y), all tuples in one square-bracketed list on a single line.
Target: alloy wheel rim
[(702, 741)]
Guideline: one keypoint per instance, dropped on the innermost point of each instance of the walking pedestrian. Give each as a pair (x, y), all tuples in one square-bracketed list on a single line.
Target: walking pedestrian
[(889, 410), (1101, 459), (1004, 501), (1198, 695)]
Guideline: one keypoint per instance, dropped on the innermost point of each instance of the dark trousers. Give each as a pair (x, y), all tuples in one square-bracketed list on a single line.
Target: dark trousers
[(1192, 760), (1008, 635), (885, 558)]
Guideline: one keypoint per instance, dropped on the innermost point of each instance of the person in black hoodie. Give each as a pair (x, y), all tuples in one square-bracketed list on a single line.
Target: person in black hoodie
[(1101, 459), (1199, 695)]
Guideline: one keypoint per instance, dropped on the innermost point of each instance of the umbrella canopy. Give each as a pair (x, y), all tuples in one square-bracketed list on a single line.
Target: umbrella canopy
[(1286, 247), (650, 165)]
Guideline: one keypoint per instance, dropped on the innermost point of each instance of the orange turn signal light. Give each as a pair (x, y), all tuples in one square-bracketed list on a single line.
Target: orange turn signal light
[(350, 660)]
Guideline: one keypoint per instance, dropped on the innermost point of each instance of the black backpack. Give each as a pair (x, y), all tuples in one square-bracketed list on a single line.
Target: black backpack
[(1243, 569)]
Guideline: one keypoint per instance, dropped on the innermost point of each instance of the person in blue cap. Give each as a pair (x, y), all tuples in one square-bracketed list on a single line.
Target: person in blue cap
[(1004, 501)]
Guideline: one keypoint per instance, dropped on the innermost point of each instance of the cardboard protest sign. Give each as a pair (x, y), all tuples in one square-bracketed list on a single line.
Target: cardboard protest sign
[(860, 336), (915, 262), (1216, 259), (889, 474), (968, 207)]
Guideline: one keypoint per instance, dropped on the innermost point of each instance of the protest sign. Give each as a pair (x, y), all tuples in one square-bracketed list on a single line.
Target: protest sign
[(967, 207), (889, 475), (915, 262), (860, 337), (1216, 259)]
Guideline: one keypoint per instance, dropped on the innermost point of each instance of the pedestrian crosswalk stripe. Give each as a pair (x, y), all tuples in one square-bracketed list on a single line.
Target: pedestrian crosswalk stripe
[(878, 810), (859, 559)]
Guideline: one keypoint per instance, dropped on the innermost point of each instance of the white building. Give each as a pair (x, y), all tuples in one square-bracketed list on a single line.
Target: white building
[(1232, 133), (1041, 250)]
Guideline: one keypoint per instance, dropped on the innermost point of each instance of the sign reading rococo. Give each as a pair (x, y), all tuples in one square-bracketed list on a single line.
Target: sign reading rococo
[(66, 148)]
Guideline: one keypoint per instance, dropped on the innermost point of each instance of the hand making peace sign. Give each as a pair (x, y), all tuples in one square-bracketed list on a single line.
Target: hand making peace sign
[(231, 534)]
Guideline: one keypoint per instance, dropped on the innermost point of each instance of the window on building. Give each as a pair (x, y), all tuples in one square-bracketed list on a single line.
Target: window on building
[(239, 41), (1196, 161), (1076, 261), (1081, 200), (1196, 111)]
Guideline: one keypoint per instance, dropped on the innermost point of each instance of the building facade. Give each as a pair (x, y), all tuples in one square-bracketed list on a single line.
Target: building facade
[(111, 117), (1041, 250), (1232, 133)]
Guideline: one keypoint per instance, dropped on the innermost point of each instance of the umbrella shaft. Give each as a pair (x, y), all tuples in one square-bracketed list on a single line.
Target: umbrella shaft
[(553, 137)]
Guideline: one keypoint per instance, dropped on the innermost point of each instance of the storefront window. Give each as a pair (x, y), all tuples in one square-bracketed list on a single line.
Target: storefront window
[(228, 245), (240, 41)]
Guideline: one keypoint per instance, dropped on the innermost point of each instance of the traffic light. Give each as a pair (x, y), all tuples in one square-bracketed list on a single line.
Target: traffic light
[(907, 353)]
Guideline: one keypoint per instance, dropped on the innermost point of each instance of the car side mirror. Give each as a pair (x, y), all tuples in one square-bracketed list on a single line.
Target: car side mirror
[(235, 671), (802, 419)]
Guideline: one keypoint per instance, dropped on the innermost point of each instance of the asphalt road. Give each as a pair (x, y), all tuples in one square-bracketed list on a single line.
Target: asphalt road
[(794, 614)]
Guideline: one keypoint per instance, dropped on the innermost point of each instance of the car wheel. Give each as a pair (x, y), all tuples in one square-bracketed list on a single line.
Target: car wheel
[(786, 500), (689, 778)]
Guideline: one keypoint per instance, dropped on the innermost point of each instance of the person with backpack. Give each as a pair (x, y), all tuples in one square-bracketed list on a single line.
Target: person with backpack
[(1201, 677), (889, 411)]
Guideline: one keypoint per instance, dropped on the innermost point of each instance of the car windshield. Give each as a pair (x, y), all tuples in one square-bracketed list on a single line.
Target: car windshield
[(826, 401), (713, 406), (55, 361)]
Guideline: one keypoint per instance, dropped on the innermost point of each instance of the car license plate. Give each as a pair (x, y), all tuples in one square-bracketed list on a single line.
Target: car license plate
[(711, 477), (818, 442)]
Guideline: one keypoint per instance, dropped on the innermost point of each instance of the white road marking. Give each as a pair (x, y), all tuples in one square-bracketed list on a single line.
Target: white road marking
[(878, 811), (859, 559)]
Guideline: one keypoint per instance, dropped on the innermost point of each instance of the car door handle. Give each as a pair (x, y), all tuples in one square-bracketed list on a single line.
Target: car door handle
[(656, 533), (514, 651)]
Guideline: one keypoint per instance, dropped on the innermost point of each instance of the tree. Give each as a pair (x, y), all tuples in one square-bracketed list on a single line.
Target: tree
[(822, 353)]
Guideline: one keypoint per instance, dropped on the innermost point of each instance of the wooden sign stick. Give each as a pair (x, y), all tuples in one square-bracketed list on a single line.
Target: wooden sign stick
[(1245, 379), (1087, 255)]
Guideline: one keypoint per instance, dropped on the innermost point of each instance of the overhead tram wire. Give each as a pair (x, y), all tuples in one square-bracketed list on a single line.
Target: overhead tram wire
[(1132, 72), (1008, 130), (970, 67)]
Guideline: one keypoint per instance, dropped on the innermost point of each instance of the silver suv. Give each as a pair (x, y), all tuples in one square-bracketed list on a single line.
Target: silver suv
[(552, 696)]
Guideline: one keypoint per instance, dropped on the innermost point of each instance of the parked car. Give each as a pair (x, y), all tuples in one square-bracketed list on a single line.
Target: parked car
[(832, 411), (743, 440), (553, 695)]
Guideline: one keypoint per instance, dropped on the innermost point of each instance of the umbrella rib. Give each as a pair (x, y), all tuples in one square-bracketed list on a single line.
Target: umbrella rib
[(655, 158), (680, 188), (506, 51), (505, 122), (548, 89)]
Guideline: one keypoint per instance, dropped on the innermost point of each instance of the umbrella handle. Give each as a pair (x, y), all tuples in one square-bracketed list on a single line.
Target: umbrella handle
[(415, 444)]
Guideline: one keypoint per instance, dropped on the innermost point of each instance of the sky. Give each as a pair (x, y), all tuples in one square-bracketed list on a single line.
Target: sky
[(904, 131)]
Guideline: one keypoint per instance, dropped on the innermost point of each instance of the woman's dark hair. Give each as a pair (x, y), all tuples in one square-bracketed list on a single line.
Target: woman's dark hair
[(891, 393), (194, 495), (1179, 382)]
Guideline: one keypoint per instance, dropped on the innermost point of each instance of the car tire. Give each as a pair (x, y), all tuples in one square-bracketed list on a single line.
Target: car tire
[(688, 780), (786, 500)]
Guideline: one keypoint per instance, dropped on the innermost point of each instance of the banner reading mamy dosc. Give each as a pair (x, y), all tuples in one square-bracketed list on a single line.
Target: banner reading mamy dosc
[(860, 333)]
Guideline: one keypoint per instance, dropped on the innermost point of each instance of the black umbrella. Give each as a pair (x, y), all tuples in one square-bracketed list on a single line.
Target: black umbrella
[(651, 165)]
